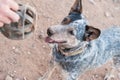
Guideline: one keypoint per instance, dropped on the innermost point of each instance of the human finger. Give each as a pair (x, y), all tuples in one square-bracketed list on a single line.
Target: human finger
[(13, 5), (12, 15), (1, 24), (5, 19)]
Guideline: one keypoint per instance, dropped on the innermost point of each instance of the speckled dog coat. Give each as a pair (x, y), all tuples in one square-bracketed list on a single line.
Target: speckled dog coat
[(96, 53)]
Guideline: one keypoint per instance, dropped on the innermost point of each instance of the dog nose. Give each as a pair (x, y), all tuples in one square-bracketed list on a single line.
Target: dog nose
[(49, 32)]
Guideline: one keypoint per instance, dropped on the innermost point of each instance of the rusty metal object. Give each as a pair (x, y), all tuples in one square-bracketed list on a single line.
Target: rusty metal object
[(24, 27)]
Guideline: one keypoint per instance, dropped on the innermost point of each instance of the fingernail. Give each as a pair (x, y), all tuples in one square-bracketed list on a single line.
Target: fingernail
[(1, 25), (17, 18), (8, 22)]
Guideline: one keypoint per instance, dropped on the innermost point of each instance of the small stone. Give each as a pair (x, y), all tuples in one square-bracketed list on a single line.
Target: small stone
[(96, 76), (119, 75), (16, 50), (41, 36), (33, 46), (13, 48), (8, 78), (43, 46), (107, 14), (17, 79), (24, 78), (29, 53), (116, 1), (92, 1), (11, 75), (14, 71), (117, 8)]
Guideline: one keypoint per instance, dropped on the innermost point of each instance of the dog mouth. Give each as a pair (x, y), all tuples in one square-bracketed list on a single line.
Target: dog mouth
[(51, 41)]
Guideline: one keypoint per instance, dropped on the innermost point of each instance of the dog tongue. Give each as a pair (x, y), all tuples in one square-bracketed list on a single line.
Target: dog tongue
[(49, 40)]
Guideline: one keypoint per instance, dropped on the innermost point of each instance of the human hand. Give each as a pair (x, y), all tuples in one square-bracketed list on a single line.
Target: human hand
[(7, 12)]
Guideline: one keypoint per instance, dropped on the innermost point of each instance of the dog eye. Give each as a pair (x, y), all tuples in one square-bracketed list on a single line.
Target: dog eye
[(71, 32)]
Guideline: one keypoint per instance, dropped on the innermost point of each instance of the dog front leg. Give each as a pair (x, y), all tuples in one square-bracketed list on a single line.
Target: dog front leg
[(70, 75), (50, 71), (116, 61), (114, 74)]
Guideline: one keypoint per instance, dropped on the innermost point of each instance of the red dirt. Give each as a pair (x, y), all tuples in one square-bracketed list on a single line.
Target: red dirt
[(29, 59)]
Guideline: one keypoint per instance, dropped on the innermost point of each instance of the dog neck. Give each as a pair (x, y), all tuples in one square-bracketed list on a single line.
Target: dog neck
[(73, 51)]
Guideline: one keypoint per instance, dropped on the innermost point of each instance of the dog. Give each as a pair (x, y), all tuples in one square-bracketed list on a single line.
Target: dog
[(79, 47)]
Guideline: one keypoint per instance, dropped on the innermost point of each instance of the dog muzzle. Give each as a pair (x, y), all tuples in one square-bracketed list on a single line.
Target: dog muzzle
[(24, 27)]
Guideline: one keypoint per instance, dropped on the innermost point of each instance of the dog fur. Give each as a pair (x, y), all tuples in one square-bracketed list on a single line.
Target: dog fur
[(92, 47)]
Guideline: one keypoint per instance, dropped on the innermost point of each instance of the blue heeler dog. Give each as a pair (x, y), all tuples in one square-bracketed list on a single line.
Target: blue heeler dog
[(79, 47)]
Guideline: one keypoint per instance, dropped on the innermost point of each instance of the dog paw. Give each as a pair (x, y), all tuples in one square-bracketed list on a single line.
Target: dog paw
[(41, 78), (109, 77)]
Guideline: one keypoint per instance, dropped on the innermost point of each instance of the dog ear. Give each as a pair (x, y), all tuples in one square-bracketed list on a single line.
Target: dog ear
[(91, 33), (74, 13), (66, 20), (77, 7)]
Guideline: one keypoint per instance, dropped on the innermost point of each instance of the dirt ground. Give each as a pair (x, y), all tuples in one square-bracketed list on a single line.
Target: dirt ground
[(29, 59)]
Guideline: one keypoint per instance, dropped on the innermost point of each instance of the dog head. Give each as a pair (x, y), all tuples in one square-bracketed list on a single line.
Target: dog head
[(73, 32)]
